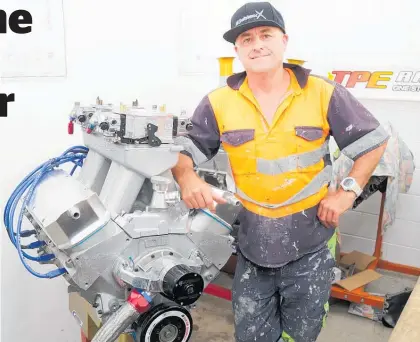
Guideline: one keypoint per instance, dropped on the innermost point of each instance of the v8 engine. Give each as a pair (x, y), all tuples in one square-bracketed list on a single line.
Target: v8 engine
[(115, 225)]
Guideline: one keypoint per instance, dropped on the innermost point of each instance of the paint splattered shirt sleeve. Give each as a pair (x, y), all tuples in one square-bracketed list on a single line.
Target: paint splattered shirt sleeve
[(203, 141), (355, 130)]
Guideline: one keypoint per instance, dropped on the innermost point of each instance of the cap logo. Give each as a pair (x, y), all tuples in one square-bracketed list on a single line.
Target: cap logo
[(255, 16)]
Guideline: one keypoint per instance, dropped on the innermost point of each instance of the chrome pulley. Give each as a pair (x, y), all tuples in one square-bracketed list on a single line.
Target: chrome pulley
[(164, 323)]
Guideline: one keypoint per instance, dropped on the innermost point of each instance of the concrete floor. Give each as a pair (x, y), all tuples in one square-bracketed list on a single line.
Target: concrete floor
[(213, 319)]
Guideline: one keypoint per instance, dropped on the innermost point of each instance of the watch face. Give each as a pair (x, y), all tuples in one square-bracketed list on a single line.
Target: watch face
[(348, 182)]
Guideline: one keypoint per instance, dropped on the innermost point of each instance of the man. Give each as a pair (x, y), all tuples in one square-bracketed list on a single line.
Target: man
[(274, 121)]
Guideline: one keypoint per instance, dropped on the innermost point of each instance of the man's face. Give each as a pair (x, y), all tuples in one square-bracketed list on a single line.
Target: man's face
[(261, 49)]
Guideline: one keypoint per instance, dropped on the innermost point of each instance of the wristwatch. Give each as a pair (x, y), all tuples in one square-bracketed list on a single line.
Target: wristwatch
[(350, 184)]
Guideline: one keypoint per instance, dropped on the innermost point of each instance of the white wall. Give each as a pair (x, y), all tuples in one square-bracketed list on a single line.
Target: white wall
[(113, 50)]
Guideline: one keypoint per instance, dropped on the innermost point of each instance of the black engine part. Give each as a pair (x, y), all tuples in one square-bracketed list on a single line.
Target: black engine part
[(376, 183), (165, 322), (182, 285), (394, 306)]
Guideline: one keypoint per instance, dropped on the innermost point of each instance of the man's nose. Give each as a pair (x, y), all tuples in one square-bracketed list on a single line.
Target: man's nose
[(258, 44)]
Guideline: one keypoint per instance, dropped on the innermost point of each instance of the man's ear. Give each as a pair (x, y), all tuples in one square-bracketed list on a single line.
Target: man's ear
[(285, 39)]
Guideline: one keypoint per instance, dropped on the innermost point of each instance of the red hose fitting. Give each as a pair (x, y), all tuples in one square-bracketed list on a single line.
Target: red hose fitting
[(138, 301), (90, 128), (70, 127)]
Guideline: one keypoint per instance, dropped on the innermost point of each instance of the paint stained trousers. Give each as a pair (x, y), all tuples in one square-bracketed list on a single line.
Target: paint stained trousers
[(282, 304)]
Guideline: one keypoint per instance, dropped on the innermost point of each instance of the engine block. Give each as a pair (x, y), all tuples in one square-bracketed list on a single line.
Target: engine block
[(119, 224)]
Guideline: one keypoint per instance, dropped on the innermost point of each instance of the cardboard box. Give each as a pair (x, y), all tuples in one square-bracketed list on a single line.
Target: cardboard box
[(86, 316), (361, 276)]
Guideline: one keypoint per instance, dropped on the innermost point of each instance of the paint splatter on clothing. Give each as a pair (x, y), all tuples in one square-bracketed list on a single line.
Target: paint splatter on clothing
[(272, 242), (289, 302)]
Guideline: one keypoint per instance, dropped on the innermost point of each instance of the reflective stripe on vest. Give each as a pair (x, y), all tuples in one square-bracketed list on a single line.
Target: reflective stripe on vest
[(373, 139), (316, 184), (293, 162)]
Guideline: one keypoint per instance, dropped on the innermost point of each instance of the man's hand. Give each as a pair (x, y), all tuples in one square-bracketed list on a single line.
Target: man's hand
[(336, 203), (196, 193), (333, 205)]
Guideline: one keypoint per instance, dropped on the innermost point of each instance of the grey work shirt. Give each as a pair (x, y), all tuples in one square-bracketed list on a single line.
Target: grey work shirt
[(274, 242)]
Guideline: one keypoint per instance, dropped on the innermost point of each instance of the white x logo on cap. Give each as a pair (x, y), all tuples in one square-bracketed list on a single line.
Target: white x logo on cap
[(259, 14)]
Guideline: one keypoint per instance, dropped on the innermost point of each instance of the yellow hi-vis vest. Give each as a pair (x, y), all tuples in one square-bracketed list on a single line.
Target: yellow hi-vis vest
[(279, 168)]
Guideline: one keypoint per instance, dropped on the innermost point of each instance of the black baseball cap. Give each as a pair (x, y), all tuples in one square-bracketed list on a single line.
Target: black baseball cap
[(253, 14)]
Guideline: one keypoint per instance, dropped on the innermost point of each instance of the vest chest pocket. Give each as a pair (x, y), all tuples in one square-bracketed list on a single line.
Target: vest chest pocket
[(311, 145), (240, 146), (309, 133)]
